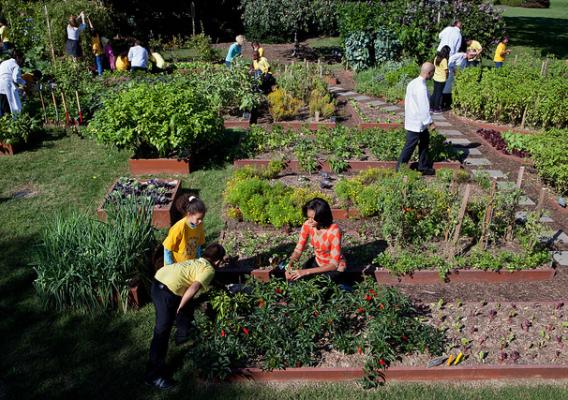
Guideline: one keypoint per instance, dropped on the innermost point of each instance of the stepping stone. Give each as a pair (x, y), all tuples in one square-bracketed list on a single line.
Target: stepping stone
[(376, 103), (438, 117), (477, 161), (442, 124), (362, 98), (391, 108), (348, 94), (526, 201), (561, 257), (450, 132), (462, 142), (506, 185), (493, 173), (521, 216), (471, 152), (559, 237)]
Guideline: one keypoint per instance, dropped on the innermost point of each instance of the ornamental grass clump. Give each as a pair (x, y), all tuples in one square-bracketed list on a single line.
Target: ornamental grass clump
[(88, 265)]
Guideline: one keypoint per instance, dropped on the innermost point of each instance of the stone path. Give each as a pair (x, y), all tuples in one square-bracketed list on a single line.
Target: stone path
[(477, 160)]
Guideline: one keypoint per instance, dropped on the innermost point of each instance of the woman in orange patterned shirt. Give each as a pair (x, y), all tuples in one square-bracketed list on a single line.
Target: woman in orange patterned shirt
[(325, 238)]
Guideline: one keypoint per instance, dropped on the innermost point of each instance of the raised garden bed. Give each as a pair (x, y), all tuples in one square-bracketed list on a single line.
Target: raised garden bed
[(493, 138), (163, 198), (366, 117), (152, 166), (293, 166), (6, 149), (406, 374), (385, 277)]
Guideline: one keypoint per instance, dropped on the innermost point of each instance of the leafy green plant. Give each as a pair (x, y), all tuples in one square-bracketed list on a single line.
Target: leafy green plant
[(17, 130), (307, 155), (388, 80), (357, 50), (160, 118), (89, 265), (201, 44), (278, 326), (322, 103)]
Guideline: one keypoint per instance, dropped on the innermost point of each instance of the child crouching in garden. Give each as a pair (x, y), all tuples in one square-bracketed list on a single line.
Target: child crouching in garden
[(174, 293), (187, 236)]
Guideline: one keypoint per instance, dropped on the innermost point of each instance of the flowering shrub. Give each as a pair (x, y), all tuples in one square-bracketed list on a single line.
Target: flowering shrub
[(278, 325)]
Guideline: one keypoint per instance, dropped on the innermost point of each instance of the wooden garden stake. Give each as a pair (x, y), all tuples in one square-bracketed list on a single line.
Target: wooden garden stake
[(49, 33), (55, 106), (42, 105), (540, 204), (520, 177), (461, 216), (317, 116), (488, 216), (320, 68), (515, 61), (67, 116), (524, 117)]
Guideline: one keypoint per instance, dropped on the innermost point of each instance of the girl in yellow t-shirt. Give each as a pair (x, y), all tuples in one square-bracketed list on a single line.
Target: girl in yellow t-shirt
[(187, 236), (440, 78)]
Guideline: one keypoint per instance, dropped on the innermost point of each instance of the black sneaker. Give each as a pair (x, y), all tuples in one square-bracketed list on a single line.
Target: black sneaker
[(428, 171), (161, 383)]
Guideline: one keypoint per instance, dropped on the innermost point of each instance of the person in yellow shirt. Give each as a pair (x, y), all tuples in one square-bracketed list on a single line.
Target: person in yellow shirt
[(174, 293), (501, 52), (260, 64), (4, 36), (474, 51), (122, 63), (440, 77), (256, 47), (186, 236), (158, 62), (97, 48)]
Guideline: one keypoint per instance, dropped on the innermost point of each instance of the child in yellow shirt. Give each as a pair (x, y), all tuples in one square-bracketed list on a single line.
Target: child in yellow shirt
[(187, 236), (501, 52)]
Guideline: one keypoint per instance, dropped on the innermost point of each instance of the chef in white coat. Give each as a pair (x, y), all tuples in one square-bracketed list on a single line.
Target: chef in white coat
[(10, 78)]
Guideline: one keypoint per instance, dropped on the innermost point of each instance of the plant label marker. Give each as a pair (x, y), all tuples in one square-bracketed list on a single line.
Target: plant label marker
[(520, 177)]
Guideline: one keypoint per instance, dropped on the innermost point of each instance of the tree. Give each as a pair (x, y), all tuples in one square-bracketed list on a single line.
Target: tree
[(277, 19)]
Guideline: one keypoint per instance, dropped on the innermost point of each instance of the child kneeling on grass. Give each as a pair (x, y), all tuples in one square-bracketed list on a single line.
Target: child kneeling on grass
[(174, 293)]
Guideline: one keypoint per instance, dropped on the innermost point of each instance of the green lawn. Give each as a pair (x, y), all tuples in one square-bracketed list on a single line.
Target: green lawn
[(538, 32)]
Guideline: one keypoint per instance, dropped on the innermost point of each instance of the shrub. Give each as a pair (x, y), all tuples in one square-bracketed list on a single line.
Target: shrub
[(357, 50), (495, 94), (159, 118), (283, 105), (300, 79), (201, 44), (88, 265), (18, 130)]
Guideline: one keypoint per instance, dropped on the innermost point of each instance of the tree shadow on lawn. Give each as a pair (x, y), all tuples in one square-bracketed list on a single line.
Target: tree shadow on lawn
[(549, 35), (226, 150)]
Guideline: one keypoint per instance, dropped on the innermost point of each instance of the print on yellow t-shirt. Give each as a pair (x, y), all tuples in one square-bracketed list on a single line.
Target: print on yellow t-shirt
[(183, 240), (501, 48)]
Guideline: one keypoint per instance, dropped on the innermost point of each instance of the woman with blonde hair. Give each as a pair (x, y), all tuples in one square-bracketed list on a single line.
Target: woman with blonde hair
[(235, 50)]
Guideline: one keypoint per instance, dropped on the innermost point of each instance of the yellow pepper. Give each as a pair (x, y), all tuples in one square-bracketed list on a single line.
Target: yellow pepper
[(450, 359), (458, 358)]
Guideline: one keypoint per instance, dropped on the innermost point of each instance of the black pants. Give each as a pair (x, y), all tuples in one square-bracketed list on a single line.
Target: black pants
[(422, 139), (134, 69), (335, 276), (166, 304), (436, 99)]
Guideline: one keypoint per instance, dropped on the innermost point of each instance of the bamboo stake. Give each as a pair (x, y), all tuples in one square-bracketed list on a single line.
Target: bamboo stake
[(488, 216), (42, 106), (67, 117), (461, 216), (79, 107), (55, 106), (540, 204), (49, 33)]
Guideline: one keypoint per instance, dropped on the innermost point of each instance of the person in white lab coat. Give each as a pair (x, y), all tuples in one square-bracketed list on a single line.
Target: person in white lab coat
[(417, 120), (451, 36), (10, 78)]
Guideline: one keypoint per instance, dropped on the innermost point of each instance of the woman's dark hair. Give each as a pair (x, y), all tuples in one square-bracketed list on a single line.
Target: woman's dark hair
[(322, 210), (443, 53), (255, 44), (214, 252), (3, 21), (195, 206)]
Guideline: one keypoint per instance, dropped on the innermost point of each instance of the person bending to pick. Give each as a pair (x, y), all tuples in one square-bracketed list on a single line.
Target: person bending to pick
[(417, 119), (174, 293)]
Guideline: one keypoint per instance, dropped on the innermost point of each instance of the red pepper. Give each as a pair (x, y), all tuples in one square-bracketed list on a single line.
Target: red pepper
[(245, 331), (382, 362), (381, 306), (359, 350), (404, 338), (368, 298), (372, 292), (316, 314), (222, 333), (360, 310), (278, 290)]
